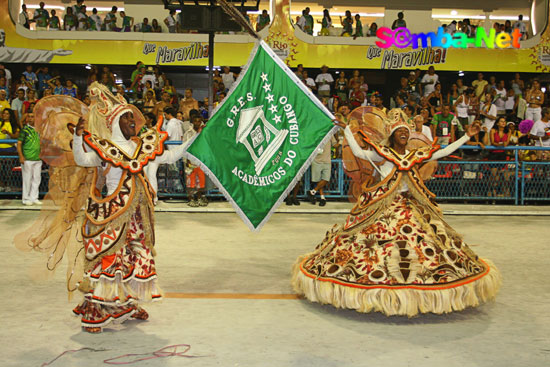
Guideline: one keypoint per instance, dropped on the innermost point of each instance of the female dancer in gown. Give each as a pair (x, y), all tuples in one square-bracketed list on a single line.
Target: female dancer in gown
[(395, 253)]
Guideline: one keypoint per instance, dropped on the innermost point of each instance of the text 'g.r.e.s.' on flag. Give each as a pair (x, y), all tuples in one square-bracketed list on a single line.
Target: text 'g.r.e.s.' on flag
[(262, 138)]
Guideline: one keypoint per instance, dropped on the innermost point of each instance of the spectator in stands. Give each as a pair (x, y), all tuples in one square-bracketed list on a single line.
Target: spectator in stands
[(187, 104), (149, 101), (170, 21), (309, 81), (228, 78), (488, 112), (373, 29), (165, 102), (479, 85), (379, 103), (491, 86), (435, 99), (308, 21), (540, 132), (54, 23), (160, 79), (127, 22), (144, 26), (4, 103), (24, 17), (462, 105), (77, 8), (341, 87), (508, 27), (155, 27), (83, 19), (56, 85), (414, 87), (357, 97), (511, 105), (30, 102), (8, 127), (426, 115), (70, 21), (363, 85), (429, 80), (400, 21), (358, 27), (174, 128), (499, 137), (149, 76), (519, 24), (442, 125), (28, 148), (137, 84), (170, 89), (7, 73), (262, 21), (30, 76), (17, 104), (95, 21), (354, 79), (324, 82), (4, 86), (500, 97), (41, 17), (451, 28), (481, 139), (326, 23), (299, 71), (421, 128), (301, 20), (70, 89), (452, 95), (535, 100), (460, 86), (347, 24), (110, 20), (196, 180), (517, 85), (43, 76)]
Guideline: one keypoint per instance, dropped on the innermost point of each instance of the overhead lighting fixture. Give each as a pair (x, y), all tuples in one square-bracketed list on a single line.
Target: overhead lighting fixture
[(88, 67), (454, 12), (447, 16), (533, 25), (62, 8), (506, 17), (460, 73)]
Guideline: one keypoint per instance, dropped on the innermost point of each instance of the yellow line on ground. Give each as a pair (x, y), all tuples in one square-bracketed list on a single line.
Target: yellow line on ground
[(231, 295)]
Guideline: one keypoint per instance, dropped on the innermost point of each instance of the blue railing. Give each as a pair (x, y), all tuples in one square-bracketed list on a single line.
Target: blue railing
[(464, 180)]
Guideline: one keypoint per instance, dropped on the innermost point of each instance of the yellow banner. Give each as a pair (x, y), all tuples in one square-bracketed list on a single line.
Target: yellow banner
[(283, 40)]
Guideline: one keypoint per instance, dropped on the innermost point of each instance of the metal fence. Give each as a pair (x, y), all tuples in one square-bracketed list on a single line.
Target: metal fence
[(464, 180)]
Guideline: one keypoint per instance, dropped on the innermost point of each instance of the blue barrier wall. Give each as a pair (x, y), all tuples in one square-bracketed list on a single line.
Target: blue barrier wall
[(463, 180)]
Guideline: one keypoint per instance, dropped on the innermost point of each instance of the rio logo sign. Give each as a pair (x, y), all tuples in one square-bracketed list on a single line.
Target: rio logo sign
[(402, 37)]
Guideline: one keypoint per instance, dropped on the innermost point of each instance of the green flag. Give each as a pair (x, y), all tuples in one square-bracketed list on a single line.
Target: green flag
[(262, 138)]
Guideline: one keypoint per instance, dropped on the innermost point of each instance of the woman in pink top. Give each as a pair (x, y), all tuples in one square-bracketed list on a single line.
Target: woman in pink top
[(499, 138)]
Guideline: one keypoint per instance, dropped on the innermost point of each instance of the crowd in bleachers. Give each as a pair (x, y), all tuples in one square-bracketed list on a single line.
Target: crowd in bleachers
[(510, 112), (78, 17)]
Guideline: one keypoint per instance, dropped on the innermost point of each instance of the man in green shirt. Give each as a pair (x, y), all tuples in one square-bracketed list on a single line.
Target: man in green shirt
[(41, 17), (28, 148), (443, 127), (308, 26)]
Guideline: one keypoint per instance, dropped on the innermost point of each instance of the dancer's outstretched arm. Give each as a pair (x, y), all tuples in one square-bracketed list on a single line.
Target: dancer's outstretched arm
[(472, 130), (82, 158), (356, 149)]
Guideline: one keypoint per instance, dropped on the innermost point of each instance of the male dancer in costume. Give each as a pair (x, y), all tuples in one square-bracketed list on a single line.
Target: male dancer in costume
[(112, 261)]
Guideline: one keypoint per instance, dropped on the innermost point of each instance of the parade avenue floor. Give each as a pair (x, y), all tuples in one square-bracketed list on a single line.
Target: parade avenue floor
[(228, 296)]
